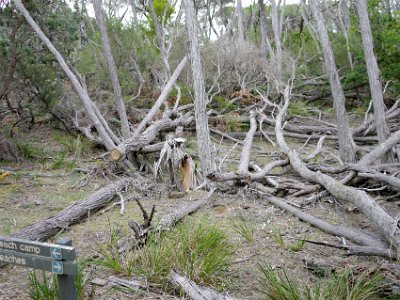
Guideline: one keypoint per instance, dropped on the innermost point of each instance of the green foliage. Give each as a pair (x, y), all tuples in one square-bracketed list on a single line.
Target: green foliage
[(29, 150), (163, 11), (298, 108), (46, 288), (111, 259), (197, 249), (345, 285), (244, 228), (73, 145), (220, 102), (292, 247)]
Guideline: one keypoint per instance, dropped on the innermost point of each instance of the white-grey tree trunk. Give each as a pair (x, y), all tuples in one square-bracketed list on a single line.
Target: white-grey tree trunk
[(373, 72), (265, 44), (119, 103), (203, 133), (276, 27), (346, 143), (344, 21), (239, 12), (83, 95), (160, 43), (134, 13)]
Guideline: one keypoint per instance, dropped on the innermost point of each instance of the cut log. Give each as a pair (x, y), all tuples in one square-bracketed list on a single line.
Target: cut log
[(194, 291), (74, 213)]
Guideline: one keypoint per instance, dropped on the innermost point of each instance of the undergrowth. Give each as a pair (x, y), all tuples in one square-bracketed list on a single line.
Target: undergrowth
[(345, 285), (198, 250)]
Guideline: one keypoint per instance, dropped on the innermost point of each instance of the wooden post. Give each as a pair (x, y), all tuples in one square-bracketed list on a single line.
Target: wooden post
[(66, 283)]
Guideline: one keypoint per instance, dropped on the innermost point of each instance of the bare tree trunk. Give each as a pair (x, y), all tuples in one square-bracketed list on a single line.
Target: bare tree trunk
[(265, 44), (160, 43), (83, 95), (277, 28), (239, 12), (346, 143), (119, 103), (203, 133), (134, 13), (373, 73), (344, 21)]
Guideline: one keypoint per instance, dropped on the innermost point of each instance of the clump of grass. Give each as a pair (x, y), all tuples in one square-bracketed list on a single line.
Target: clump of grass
[(29, 150), (197, 249), (46, 288), (62, 162), (245, 229), (111, 259), (73, 145), (345, 285), (298, 108), (292, 247)]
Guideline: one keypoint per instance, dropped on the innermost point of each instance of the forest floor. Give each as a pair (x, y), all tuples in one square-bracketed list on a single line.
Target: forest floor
[(258, 231)]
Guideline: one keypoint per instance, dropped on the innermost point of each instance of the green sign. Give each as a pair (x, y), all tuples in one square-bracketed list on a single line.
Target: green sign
[(56, 258)]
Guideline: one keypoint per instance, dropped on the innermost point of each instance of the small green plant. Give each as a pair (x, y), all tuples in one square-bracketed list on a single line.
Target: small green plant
[(245, 229), (73, 145), (29, 150), (292, 247), (47, 288), (44, 288), (62, 162), (197, 249), (111, 258), (345, 285), (298, 108)]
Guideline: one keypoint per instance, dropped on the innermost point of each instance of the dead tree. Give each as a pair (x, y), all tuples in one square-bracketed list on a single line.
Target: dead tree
[(202, 130), (346, 143), (373, 73), (119, 103), (265, 44)]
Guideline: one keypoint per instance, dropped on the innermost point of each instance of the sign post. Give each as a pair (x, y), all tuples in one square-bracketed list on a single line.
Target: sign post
[(57, 258)]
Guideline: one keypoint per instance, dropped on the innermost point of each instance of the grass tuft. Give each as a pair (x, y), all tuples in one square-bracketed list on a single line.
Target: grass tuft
[(345, 285), (198, 249)]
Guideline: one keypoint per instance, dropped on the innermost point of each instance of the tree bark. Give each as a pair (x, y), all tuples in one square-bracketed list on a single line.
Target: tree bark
[(277, 38), (373, 73), (119, 103), (194, 291), (346, 143), (202, 130), (240, 26), (265, 44)]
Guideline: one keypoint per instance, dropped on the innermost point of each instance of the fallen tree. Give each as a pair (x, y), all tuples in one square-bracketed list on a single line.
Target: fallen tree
[(74, 213)]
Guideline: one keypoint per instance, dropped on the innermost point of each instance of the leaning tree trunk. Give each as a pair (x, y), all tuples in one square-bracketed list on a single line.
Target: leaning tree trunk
[(203, 133), (82, 93), (346, 143), (119, 103), (373, 72)]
